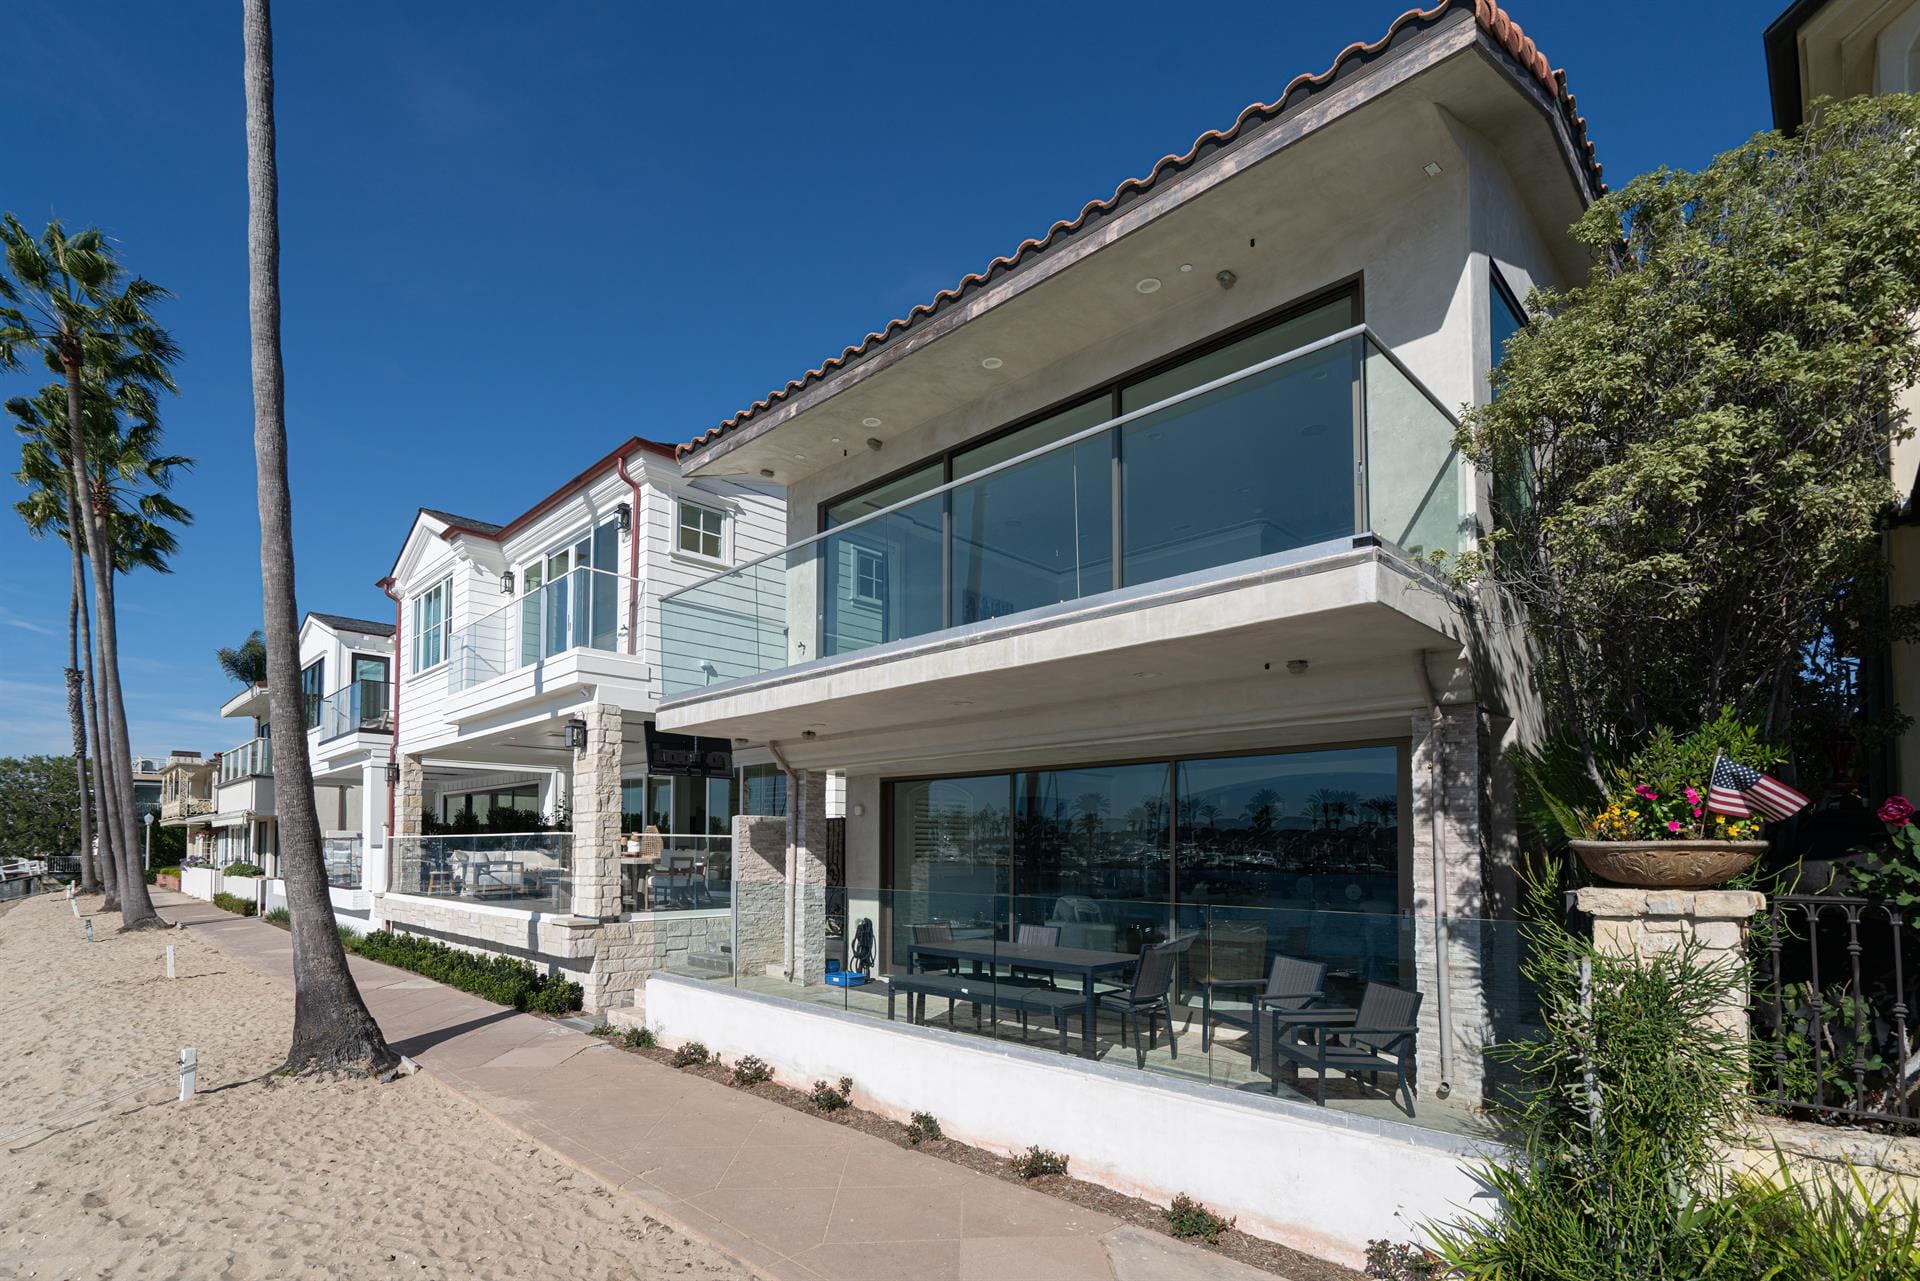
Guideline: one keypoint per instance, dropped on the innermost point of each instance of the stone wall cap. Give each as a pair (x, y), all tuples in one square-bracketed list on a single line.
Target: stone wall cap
[(1619, 901)]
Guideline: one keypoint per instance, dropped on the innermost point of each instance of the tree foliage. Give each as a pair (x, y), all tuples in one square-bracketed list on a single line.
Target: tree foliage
[(248, 662), (39, 807), (1690, 449)]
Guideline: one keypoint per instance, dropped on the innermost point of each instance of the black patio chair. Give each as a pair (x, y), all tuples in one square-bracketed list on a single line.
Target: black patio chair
[(1149, 996), (1378, 1037), (939, 932), (1227, 958)]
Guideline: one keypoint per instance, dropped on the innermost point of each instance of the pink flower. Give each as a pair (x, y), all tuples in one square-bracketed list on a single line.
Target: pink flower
[(1696, 811), (1646, 793), (1897, 810), (1673, 825), (1693, 798)]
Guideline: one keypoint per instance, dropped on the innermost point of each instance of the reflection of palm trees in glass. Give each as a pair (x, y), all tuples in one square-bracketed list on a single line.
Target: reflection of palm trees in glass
[(1329, 808), (1262, 807), (1384, 809), (1093, 807), (1210, 814)]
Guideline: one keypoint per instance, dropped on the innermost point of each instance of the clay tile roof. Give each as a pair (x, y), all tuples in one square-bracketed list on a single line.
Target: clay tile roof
[(1490, 18)]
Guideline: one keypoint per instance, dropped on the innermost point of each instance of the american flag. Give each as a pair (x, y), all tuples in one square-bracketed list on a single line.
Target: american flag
[(1741, 791)]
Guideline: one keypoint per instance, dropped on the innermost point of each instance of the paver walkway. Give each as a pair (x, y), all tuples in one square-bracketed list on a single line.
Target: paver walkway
[(790, 1195)]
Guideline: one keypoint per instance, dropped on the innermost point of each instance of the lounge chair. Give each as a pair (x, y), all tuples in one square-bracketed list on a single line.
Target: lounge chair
[(1378, 1037)]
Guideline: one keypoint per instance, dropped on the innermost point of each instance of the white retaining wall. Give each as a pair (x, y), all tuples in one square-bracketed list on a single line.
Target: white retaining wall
[(1324, 1182), (200, 882), (351, 908)]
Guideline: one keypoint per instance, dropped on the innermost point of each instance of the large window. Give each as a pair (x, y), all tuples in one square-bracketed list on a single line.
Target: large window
[(679, 806), (702, 531), (1298, 851), (522, 800), (432, 620), (763, 790), (570, 596), (313, 688)]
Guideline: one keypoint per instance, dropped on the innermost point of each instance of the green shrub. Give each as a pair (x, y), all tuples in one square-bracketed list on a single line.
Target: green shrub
[(1037, 1162), (751, 1070), (1828, 1227), (640, 1038), (1395, 1261), (242, 869), (1186, 1217), (154, 873), (831, 1098), (233, 903), (600, 1029), (278, 916), (692, 1054), (501, 979), (924, 1127)]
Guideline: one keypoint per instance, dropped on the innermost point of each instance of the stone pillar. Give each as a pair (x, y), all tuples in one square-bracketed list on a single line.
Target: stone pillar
[(808, 797), (409, 796), (596, 816), (1629, 922), (1448, 853), (759, 894)]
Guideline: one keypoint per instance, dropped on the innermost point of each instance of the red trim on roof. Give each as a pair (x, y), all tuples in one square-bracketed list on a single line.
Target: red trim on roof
[(594, 471), (1489, 17)]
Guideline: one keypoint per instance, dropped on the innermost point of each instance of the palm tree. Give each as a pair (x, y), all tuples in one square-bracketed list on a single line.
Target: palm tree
[(1262, 808), (1330, 807), (1385, 809), (331, 1026), (127, 489), (248, 663)]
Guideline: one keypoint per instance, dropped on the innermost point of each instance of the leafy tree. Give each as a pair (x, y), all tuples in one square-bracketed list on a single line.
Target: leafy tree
[(332, 1029), (248, 663), (39, 806), (1690, 449)]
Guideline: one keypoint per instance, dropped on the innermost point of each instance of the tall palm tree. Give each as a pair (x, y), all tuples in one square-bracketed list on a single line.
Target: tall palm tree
[(246, 663), (332, 1028), (127, 488), (68, 299)]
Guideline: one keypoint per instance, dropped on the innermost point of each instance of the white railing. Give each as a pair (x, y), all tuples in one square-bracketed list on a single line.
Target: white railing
[(579, 610), (250, 759)]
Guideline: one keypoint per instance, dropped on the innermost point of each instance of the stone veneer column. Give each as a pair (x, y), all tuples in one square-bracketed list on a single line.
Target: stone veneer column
[(408, 796), (759, 894), (1446, 786), (1630, 922), (809, 798), (596, 816)]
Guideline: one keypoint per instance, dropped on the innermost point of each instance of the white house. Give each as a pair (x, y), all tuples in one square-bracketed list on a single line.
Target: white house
[(526, 816)]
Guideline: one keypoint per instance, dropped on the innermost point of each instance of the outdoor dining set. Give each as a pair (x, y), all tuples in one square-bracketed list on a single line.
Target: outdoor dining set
[(1286, 1012)]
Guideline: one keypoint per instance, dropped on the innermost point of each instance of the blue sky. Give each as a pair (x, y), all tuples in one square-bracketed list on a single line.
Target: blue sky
[(513, 235)]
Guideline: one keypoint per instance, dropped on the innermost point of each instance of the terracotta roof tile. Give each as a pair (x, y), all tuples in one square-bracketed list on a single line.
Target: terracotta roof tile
[(1490, 18)]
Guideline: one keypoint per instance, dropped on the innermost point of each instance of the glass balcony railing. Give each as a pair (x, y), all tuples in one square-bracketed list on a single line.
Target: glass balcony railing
[(343, 859), (249, 760), (1316, 446), (361, 707), (528, 871), (579, 610)]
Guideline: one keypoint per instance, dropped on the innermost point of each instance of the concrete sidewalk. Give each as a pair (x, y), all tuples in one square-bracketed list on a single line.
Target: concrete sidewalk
[(792, 1196)]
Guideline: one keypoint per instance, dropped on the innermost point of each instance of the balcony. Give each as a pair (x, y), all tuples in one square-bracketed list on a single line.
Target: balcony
[(580, 610), (364, 707), (252, 759), (186, 806), (1323, 449), (523, 871)]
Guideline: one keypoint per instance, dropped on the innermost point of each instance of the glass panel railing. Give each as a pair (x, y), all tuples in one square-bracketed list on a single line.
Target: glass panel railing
[(342, 855), (1329, 441), (578, 610), (527, 871), (361, 707), (672, 872), (249, 760)]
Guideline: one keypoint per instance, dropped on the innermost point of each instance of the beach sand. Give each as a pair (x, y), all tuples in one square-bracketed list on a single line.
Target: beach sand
[(103, 1174)]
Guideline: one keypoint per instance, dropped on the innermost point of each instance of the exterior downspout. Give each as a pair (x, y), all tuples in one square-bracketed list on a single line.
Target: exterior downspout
[(633, 557), (1443, 963), (393, 747), (790, 872)]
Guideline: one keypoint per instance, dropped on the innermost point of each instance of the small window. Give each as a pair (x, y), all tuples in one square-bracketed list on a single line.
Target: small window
[(431, 625), (313, 681), (701, 530), (869, 576)]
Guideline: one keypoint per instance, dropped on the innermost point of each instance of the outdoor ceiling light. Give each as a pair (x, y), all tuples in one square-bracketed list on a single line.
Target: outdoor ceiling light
[(992, 362), (626, 516), (869, 422), (767, 472), (1185, 267), (1150, 285), (1296, 665), (506, 582), (874, 443), (575, 736), (1226, 278)]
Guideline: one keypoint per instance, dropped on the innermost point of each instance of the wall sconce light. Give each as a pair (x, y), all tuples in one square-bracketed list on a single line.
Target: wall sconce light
[(576, 735), (393, 773), (626, 516), (506, 582)]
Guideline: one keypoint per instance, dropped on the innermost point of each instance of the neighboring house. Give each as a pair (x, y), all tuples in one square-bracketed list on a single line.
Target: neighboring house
[(186, 800), (346, 675), (1106, 591), (243, 826), (147, 786), (1842, 49), (526, 816)]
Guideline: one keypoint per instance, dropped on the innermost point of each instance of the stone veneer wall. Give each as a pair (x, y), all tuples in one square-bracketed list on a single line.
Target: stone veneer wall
[(1455, 754), (1631, 922), (550, 942), (597, 814), (759, 896), (408, 796), (810, 887), (626, 951)]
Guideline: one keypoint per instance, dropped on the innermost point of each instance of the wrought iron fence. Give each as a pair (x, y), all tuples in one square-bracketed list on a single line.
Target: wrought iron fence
[(1831, 1011)]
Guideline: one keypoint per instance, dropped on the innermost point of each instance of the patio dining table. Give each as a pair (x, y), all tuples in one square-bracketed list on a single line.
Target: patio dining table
[(1086, 962)]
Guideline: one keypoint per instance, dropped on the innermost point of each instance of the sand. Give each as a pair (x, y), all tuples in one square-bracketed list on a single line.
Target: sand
[(259, 1176)]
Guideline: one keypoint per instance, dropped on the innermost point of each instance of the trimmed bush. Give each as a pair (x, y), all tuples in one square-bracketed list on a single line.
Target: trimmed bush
[(1186, 1217), (924, 1128), (751, 1070), (233, 903), (500, 979), (640, 1038), (692, 1054), (831, 1098), (1037, 1162), (242, 869)]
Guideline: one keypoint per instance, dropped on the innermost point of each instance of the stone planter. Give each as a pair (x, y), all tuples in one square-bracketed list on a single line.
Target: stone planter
[(1690, 865)]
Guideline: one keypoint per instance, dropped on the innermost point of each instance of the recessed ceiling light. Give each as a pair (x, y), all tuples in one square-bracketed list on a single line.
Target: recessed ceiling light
[(992, 362), (767, 472), (1296, 665), (801, 457), (1185, 267), (1150, 285), (834, 439), (869, 422), (1433, 168)]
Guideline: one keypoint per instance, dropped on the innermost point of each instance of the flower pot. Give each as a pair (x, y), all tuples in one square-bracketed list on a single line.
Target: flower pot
[(1668, 865)]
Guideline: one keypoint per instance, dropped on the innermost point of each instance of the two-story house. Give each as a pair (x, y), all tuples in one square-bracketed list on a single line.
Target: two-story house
[(531, 814), (186, 800), (1110, 584)]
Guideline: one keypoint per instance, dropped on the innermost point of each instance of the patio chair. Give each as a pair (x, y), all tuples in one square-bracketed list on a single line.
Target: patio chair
[(1149, 997), (1292, 985), (1227, 957), (938, 932), (1378, 1037), (1037, 936)]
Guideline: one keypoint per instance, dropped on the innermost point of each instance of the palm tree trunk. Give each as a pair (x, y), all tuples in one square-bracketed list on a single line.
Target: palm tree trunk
[(332, 1029), (136, 909), (102, 789), (77, 719)]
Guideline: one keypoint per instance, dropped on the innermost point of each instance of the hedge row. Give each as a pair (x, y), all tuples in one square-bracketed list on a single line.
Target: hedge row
[(234, 903), (496, 978)]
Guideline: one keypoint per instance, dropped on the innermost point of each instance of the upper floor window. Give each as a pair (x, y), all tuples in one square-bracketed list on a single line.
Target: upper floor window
[(869, 575), (702, 531), (432, 621), (313, 688), (1505, 316)]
